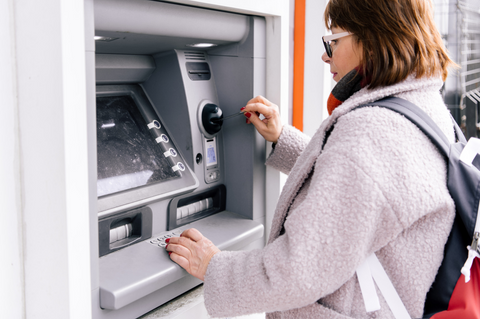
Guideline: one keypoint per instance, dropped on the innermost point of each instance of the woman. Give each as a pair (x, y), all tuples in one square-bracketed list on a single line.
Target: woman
[(377, 186)]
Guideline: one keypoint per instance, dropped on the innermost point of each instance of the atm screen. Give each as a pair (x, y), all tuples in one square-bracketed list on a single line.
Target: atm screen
[(211, 159), (211, 153), (128, 156)]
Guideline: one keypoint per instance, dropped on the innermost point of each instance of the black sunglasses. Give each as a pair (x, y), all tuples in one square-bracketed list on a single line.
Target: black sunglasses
[(327, 38)]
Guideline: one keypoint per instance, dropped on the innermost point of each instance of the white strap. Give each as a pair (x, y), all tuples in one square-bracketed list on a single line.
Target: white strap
[(386, 287), (365, 279), (468, 264), (472, 251), (384, 284)]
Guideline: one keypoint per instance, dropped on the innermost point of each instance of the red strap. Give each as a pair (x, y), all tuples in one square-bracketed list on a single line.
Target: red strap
[(465, 300)]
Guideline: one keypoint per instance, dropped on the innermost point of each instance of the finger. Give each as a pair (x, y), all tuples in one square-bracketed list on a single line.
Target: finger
[(175, 242), (172, 240), (260, 108), (179, 250), (192, 234), (181, 261), (270, 129), (183, 241), (260, 125), (260, 99)]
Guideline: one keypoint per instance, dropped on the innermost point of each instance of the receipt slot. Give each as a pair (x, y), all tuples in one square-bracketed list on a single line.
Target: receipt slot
[(166, 161)]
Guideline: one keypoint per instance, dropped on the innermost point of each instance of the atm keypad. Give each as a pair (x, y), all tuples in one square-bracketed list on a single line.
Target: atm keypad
[(159, 240)]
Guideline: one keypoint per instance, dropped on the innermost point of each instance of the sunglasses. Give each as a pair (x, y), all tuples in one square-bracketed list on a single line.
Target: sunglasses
[(328, 38)]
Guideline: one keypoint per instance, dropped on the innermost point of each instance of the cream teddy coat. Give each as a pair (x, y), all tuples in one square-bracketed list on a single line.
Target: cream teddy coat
[(379, 185)]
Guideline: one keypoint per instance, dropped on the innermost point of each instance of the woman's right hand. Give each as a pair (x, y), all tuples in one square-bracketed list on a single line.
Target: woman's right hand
[(271, 126)]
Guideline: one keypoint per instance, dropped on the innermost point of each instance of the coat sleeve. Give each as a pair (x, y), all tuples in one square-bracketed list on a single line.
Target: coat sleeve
[(290, 145)]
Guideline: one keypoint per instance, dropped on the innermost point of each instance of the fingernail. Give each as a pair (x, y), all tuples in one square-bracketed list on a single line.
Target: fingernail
[(248, 115), (166, 247), (169, 253), (247, 121), (167, 240), (243, 108)]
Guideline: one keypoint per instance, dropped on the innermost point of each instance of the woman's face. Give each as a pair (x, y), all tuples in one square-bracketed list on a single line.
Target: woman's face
[(345, 55)]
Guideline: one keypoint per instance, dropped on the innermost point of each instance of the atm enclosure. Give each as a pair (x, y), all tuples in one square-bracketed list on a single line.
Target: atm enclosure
[(166, 160)]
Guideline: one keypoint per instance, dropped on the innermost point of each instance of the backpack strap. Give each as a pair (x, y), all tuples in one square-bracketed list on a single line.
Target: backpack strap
[(420, 118)]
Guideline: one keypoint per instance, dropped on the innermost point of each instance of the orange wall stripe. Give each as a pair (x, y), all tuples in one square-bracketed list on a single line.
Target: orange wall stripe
[(298, 63)]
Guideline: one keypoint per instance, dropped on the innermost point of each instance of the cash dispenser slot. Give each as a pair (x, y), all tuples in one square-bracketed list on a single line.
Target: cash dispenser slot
[(189, 208), (124, 229)]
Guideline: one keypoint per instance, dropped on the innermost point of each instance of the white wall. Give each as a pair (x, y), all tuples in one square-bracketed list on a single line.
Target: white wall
[(317, 73), (11, 236), (44, 158)]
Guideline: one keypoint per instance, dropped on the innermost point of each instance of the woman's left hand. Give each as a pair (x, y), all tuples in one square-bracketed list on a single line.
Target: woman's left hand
[(192, 251)]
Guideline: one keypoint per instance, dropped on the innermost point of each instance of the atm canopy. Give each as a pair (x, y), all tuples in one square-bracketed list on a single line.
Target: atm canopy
[(149, 27)]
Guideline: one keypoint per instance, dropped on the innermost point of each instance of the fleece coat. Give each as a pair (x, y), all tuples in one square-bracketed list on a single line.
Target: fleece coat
[(379, 185)]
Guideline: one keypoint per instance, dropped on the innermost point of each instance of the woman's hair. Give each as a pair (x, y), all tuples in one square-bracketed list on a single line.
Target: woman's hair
[(399, 38)]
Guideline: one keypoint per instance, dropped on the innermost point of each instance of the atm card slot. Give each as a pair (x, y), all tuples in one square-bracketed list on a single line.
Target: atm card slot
[(189, 208)]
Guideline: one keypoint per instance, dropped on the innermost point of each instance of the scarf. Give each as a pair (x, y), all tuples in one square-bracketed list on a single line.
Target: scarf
[(349, 84)]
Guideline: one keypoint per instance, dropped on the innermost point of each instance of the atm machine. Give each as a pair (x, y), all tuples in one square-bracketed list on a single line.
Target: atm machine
[(166, 77)]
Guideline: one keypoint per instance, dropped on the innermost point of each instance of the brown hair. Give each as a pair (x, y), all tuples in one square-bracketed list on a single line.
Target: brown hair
[(399, 37)]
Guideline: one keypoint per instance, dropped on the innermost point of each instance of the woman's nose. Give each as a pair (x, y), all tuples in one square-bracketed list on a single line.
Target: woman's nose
[(325, 58)]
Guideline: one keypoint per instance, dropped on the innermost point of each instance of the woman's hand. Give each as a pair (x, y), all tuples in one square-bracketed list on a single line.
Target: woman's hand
[(271, 126), (192, 251)]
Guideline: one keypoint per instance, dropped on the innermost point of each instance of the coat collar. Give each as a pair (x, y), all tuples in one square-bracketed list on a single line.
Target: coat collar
[(366, 96)]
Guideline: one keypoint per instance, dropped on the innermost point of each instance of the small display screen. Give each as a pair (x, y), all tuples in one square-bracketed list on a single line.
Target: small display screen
[(128, 156), (211, 153)]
